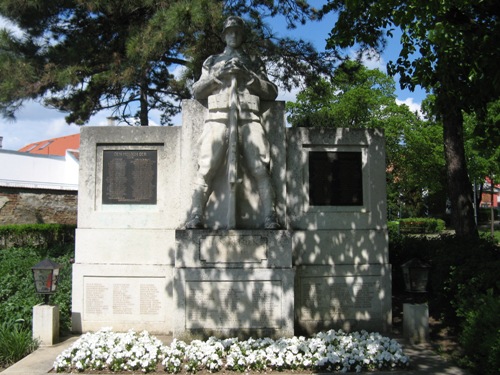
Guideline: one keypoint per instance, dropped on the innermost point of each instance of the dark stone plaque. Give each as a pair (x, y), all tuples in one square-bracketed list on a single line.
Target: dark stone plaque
[(129, 176), (335, 179)]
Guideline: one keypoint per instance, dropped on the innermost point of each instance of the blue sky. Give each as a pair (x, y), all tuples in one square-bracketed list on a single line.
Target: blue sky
[(35, 123)]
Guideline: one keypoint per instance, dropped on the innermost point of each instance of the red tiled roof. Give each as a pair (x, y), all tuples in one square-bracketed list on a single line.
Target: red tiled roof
[(53, 146)]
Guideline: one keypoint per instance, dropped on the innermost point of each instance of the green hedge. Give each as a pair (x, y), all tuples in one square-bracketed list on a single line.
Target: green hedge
[(418, 225), (464, 290), (39, 236), (484, 215), (23, 246)]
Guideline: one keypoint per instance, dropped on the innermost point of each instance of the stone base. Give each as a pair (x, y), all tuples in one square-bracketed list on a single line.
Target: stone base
[(46, 324), (345, 297), (233, 302), (416, 322), (233, 249), (233, 283), (122, 297)]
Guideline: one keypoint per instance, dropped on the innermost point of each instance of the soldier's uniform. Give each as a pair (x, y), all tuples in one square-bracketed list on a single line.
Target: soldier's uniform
[(253, 142)]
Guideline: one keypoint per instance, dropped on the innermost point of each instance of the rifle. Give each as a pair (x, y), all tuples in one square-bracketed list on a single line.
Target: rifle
[(232, 158)]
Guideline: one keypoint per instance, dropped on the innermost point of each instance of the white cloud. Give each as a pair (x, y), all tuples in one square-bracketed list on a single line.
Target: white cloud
[(288, 96), (414, 107), (22, 132), (7, 24), (371, 59)]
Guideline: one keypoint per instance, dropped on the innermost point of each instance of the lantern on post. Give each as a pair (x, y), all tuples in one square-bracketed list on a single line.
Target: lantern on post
[(416, 275), (45, 276)]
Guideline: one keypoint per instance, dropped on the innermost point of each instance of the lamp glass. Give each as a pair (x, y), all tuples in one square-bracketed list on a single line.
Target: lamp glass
[(45, 275)]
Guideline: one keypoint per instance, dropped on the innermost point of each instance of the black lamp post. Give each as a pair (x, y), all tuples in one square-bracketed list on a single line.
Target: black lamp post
[(416, 275), (45, 275)]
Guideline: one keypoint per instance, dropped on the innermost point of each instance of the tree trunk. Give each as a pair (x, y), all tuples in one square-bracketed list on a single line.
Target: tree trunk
[(143, 114), (459, 185)]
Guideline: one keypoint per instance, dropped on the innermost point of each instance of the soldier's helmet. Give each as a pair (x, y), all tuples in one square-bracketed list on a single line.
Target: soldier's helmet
[(233, 22)]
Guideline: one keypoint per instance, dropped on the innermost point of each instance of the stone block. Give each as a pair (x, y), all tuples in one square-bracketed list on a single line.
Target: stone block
[(233, 302), (416, 322), (344, 297), (340, 247), (249, 214), (46, 324), (94, 212), (369, 212), (233, 249), (125, 246), (123, 297)]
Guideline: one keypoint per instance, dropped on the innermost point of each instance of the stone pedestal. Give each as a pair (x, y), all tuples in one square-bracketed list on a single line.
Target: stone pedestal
[(416, 322), (135, 269), (46, 324), (233, 283)]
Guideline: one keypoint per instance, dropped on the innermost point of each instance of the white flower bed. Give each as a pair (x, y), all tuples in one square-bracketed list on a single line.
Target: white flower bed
[(326, 351)]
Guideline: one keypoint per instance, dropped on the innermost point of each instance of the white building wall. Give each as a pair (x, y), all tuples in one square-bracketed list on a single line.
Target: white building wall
[(20, 169)]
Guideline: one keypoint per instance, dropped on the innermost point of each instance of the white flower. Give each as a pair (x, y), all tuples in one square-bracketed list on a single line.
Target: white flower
[(331, 351)]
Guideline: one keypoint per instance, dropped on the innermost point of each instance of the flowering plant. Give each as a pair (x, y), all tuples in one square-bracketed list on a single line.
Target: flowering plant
[(325, 351), (108, 350)]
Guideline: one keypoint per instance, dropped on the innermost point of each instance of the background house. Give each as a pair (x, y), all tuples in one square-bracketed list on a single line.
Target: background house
[(39, 183)]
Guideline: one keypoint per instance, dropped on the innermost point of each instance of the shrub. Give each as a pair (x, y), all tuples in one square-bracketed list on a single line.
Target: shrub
[(393, 228), (467, 269), (480, 336), (484, 215), (464, 290), (17, 291), (47, 238), (420, 225), (16, 342)]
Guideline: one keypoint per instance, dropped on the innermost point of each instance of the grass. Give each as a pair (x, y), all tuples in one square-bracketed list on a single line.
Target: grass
[(496, 234), (16, 342)]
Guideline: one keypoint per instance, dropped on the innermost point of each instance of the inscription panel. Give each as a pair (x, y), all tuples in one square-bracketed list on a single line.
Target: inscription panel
[(233, 249), (124, 298), (335, 179), (330, 298), (129, 176), (233, 304)]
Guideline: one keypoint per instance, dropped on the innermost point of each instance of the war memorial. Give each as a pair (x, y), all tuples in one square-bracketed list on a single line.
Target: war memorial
[(233, 223)]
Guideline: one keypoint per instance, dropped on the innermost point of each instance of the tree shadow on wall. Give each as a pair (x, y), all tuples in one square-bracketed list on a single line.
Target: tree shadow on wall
[(340, 277)]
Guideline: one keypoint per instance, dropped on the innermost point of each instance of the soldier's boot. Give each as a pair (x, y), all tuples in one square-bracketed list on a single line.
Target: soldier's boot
[(198, 201)]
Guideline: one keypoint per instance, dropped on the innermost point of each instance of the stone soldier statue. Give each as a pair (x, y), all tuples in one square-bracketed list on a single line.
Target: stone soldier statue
[(234, 83)]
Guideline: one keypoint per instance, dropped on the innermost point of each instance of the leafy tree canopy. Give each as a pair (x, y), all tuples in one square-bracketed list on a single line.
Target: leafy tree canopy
[(450, 48), (82, 57), (358, 97), (355, 97), (447, 46)]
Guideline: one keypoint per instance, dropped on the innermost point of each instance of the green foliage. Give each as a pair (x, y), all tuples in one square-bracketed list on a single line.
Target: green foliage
[(47, 238), (450, 48), (484, 214), (480, 336), (358, 97), (472, 271), (17, 291), (446, 46), (482, 135), (17, 298), (16, 342), (421, 225), (62, 298), (84, 57), (393, 229), (464, 289), (462, 269)]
